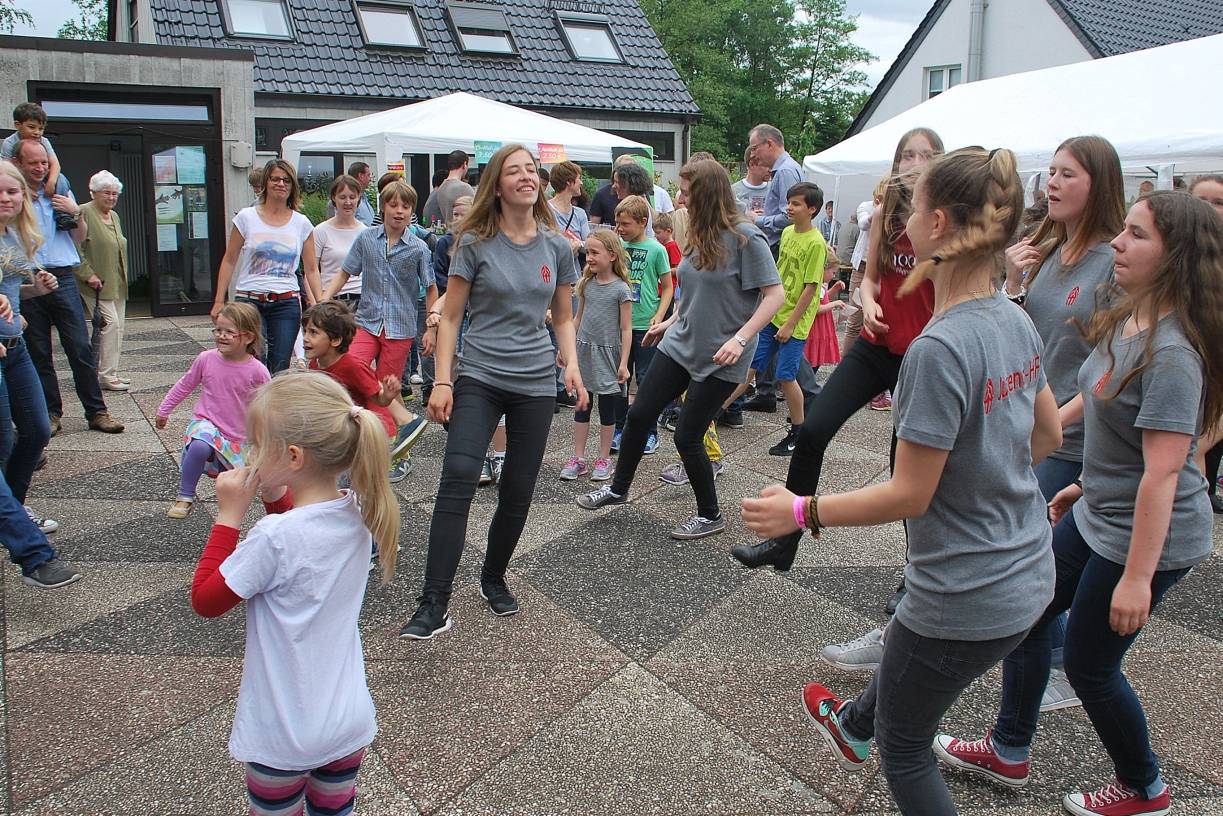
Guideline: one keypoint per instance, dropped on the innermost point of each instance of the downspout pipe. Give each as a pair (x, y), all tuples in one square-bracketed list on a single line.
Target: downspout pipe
[(976, 40)]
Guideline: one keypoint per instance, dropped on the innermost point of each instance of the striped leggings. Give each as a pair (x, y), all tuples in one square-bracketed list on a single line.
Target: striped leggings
[(328, 790)]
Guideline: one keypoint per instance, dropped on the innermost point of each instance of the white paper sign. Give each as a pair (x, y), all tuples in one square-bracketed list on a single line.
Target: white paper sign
[(167, 237)]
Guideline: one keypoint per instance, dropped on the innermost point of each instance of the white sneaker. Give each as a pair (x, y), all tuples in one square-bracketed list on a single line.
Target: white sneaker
[(860, 654), (416, 379), (47, 525), (1059, 693)]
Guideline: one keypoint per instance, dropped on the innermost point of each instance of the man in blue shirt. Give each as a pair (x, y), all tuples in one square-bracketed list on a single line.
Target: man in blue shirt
[(61, 308), (768, 146)]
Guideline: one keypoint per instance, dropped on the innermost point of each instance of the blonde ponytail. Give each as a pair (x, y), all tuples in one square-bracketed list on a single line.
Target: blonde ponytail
[(981, 194), (312, 411)]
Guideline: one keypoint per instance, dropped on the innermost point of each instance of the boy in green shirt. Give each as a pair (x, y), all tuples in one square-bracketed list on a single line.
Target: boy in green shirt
[(800, 263), (651, 286)]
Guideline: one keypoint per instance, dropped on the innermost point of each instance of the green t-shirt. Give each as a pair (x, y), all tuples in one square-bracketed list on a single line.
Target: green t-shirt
[(800, 261), (647, 263)]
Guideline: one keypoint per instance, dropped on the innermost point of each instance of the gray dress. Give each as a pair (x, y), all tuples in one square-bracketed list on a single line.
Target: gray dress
[(599, 335)]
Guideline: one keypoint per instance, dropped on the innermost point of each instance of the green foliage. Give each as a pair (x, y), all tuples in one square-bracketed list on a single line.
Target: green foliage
[(11, 15), (314, 206), (90, 26), (786, 62)]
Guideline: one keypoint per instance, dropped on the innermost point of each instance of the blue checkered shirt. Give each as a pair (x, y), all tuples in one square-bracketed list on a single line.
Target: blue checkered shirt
[(391, 282)]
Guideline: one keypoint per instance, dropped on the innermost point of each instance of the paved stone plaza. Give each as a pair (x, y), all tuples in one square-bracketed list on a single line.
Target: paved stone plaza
[(644, 675)]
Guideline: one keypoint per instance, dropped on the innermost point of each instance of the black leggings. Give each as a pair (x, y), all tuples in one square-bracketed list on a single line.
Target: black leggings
[(1212, 466), (665, 381), (864, 372), (477, 407), (609, 405)]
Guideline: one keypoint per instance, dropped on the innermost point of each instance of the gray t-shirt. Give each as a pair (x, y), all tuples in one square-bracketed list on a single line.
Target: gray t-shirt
[(749, 197), (1059, 301), (980, 561), (716, 304), (599, 337), (1165, 397), (506, 344)]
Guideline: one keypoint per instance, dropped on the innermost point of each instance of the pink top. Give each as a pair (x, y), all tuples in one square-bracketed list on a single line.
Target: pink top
[(226, 393)]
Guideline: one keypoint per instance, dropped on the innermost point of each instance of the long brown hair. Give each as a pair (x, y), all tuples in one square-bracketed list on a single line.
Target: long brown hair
[(897, 199), (294, 201), (1104, 214), (1188, 282), (711, 212), (483, 220), (981, 194), (311, 410), (615, 247)]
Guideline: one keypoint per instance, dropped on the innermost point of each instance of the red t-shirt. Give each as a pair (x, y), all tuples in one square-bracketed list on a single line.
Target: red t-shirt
[(906, 316), (361, 384)]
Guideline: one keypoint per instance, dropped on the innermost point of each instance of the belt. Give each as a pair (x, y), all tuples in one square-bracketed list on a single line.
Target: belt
[(266, 297), (348, 298), (11, 342)]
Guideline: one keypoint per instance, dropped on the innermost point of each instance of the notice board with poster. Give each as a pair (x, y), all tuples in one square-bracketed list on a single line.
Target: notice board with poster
[(183, 271)]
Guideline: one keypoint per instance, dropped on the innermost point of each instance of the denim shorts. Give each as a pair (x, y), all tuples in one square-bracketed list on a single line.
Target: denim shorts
[(789, 354)]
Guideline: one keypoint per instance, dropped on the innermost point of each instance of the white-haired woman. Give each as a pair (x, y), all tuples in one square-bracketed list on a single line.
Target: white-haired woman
[(102, 275)]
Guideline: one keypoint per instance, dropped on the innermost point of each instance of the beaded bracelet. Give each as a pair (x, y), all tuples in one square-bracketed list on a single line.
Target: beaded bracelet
[(812, 515)]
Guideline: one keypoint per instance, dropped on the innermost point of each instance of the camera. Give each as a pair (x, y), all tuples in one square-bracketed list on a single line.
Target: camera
[(65, 221)]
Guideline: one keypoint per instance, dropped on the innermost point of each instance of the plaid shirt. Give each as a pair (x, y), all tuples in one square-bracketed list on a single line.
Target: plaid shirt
[(391, 282)]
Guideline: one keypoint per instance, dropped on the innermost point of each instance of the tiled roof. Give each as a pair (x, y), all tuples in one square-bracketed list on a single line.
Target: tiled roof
[(328, 57), (1111, 27)]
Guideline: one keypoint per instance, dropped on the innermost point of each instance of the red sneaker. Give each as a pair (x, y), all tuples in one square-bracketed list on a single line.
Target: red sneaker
[(979, 757), (822, 707), (1116, 799), (883, 402)]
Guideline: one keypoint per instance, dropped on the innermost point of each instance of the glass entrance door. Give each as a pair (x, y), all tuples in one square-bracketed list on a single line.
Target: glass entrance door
[(186, 219)]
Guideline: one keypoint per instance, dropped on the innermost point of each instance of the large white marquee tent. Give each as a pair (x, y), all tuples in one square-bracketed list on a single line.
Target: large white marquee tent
[(1156, 106), (456, 121)]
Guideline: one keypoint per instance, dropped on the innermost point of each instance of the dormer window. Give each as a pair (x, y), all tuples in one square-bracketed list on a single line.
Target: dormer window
[(257, 18), (482, 29), (389, 24), (589, 37)]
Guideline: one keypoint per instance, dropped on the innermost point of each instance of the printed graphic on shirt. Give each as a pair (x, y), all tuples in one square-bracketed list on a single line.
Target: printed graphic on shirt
[(638, 258), (272, 258), (905, 262), (1009, 383), (1073, 296), (545, 273), (1102, 383)]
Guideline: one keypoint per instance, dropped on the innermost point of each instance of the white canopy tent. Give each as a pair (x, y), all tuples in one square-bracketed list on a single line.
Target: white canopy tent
[(453, 122), (1153, 105)]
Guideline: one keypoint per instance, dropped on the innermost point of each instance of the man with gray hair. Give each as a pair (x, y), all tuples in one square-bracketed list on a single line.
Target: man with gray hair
[(768, 146)]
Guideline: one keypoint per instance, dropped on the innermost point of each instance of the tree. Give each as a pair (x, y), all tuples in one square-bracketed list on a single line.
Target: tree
[(92, 24), (10, 16), (786, 62)]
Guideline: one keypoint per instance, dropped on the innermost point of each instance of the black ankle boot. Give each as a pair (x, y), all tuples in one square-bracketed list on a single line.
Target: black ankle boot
[(777, 553), (894, 601)]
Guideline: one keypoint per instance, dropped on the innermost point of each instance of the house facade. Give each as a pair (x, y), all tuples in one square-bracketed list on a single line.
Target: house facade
[(966, 40), (594, 62)]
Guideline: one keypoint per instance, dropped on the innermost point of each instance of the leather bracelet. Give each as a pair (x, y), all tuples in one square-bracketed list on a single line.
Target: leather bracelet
[(449, 385), (813, 515)]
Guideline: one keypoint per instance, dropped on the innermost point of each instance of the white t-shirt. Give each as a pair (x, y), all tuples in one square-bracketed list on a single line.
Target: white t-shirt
[(662, 200), (270, 255), (866, 211), (331, 245), (304, 701)]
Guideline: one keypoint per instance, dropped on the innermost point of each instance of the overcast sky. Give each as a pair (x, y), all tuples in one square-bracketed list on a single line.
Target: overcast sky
[(883, 25)]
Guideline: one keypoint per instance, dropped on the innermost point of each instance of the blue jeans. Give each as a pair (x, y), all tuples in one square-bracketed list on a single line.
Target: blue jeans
[(415, 357), (27, 545), (64, 310), (785, 357), (917, 682), (1052, 475), (639, 359), (1085, 584), (281, 321), (22, 405)]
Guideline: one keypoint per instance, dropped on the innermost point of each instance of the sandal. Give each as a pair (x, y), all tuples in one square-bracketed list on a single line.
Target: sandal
[(180, 508)]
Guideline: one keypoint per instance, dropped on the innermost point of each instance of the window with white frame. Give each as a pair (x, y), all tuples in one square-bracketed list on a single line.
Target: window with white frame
[(390, 24), (258, 18), (589, 37), (941, 78)]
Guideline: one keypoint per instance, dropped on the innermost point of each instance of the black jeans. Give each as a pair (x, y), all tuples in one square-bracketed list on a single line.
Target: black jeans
[(666, 381), (640, 358), (1085, 584), (64, 310), (609, 406), (917, 682), (866, 370), (1213, 457), (477, 407)]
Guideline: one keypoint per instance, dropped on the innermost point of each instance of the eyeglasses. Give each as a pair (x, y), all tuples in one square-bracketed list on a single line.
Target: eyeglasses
[(924, 155), (280, 181), (225, 334)]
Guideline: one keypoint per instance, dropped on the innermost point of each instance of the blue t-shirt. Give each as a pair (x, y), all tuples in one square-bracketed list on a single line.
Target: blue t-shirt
[(58, 249), (14, 266)]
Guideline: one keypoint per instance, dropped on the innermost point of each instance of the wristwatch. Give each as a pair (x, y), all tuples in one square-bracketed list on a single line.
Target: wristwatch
[(742, 343)]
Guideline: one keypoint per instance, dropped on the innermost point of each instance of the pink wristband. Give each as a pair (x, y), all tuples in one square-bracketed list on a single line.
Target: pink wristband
[(800, 516)]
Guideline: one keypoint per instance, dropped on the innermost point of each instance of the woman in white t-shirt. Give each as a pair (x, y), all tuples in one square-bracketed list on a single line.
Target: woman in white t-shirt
[(266, 246), (335, 236)]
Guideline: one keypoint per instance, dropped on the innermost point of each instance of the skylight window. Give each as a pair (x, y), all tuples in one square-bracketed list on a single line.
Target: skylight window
[(482, 29), (590, 38), (392, 25), (258, 18)]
